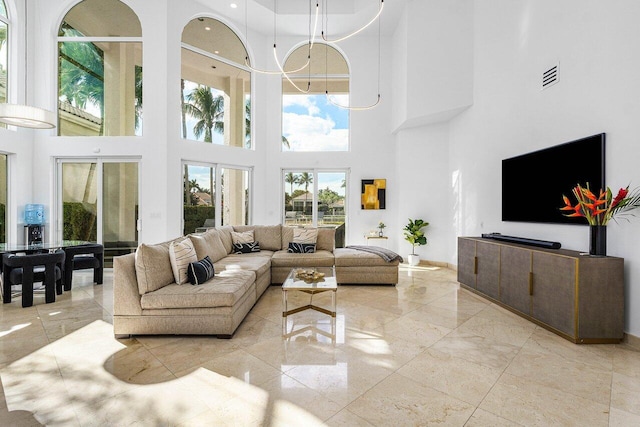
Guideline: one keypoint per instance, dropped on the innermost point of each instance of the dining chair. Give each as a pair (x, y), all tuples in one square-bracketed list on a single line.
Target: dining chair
[(28, 269), (83, 257)]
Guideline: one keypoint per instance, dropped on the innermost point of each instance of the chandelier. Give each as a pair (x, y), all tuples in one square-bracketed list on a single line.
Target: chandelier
[(316, 13)]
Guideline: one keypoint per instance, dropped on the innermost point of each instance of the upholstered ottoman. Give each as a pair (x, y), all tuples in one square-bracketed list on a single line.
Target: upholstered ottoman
[(358, 267)]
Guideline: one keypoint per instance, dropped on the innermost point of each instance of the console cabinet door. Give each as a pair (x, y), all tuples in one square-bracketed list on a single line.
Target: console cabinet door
[(515, 269), (466, 262), (488, 277), (554, 291)]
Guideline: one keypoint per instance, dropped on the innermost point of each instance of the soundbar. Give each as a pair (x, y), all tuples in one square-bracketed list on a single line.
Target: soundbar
[(523, 241)]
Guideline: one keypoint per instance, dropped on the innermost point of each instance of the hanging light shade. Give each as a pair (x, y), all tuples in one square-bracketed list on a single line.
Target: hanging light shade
[(27, 116)]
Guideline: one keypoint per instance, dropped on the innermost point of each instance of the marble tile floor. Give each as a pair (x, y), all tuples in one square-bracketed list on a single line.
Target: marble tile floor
[(422, 353)]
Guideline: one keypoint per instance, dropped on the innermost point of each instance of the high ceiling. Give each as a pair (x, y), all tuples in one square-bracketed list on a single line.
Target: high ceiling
[(343, 16)]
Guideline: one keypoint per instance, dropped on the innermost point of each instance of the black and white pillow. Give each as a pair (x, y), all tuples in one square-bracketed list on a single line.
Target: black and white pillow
[(201, 271), (301, 248), (246, 248)]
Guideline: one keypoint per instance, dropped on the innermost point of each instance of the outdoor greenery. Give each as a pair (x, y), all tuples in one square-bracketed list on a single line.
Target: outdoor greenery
[(207, 109), (3, 224), (194, 217), (79, 221), (81, 76)]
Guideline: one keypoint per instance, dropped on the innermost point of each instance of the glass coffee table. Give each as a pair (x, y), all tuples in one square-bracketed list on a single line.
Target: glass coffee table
[(311, 281)]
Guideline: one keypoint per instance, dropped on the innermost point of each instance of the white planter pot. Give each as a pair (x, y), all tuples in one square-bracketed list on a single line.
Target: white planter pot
[(414, 259)]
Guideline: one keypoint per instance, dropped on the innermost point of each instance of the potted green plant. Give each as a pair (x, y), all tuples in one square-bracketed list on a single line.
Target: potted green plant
[(381, 227), (413, 234)]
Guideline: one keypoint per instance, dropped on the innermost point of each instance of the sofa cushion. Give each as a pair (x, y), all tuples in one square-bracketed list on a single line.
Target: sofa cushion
[(301, 248), (242, 237), (209, 244), (253, 262), (201, 271), (320, 258), (246, 248), (307, 235), (181, 254), (224, 290), (325, 241), (269, 236), (153, 267), (225, 236)]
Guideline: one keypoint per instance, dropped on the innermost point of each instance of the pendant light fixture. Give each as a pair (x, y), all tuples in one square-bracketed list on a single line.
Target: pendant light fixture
[(312, 35), (379, 97), (326, 14), (280, 70), (26, 115)]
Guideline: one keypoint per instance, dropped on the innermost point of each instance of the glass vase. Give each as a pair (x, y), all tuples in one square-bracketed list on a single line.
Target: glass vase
[(598, 240)]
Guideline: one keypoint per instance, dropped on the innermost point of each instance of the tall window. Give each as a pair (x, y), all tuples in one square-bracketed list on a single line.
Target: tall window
[(99, 203), (100, 70), (316, 198), (215, 195), (4, 54), (215, 86), (313, 121)]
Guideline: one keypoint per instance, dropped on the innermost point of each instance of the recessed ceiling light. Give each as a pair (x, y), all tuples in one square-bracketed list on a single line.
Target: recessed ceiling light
[(233, 5), (216, 52), (207, 28)]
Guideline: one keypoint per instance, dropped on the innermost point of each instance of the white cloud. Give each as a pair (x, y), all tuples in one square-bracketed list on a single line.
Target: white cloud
[(306, 101), (307, 133)]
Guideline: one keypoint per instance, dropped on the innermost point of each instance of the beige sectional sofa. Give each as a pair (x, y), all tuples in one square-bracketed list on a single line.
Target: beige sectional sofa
[(148, 301)]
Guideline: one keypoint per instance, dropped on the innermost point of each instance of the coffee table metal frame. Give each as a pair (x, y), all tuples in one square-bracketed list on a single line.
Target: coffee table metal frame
[(327, 284)]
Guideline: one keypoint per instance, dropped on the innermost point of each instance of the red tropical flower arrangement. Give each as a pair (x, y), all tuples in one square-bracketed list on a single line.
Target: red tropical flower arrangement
[(598, 210)]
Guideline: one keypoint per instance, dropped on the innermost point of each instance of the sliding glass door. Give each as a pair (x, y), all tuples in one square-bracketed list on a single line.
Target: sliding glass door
[(98, 202), (316, 198), (214, 195)]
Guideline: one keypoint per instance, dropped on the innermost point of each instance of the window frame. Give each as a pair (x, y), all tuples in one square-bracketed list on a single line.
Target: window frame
[(226, 61), (315, 172), (7, 21), (97, 39), (312, 78), (217, 201), (57, 213)]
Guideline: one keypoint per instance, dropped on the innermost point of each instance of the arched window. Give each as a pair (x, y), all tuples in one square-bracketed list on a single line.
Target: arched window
[(4, 52), (311, 119), (100, 70), (215, 85)]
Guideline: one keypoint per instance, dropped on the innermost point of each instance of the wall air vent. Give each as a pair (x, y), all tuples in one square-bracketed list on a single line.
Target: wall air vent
[(550, 77)]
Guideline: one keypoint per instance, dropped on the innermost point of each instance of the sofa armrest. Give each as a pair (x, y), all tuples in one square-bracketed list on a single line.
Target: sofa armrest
[(126, 298)]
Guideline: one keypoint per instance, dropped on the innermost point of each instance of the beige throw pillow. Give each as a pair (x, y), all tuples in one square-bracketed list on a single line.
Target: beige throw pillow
[(244, 237), (305, 235), (181, 254)]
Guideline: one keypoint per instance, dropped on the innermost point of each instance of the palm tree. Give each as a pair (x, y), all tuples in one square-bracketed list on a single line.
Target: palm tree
[(81, 75), (138, 92), (208, 110), (291, 179), (305, 179), (184, 115), (3, 75)]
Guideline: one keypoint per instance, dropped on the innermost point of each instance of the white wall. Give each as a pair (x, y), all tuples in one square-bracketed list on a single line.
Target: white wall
[(598, 48), (433, 62), (161, 149), (422, 166)]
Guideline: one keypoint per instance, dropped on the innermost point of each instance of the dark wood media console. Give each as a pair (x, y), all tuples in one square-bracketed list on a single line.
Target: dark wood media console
[(578, 297)]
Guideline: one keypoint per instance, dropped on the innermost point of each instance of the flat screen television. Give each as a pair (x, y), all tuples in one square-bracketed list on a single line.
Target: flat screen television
[(533, 183)]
